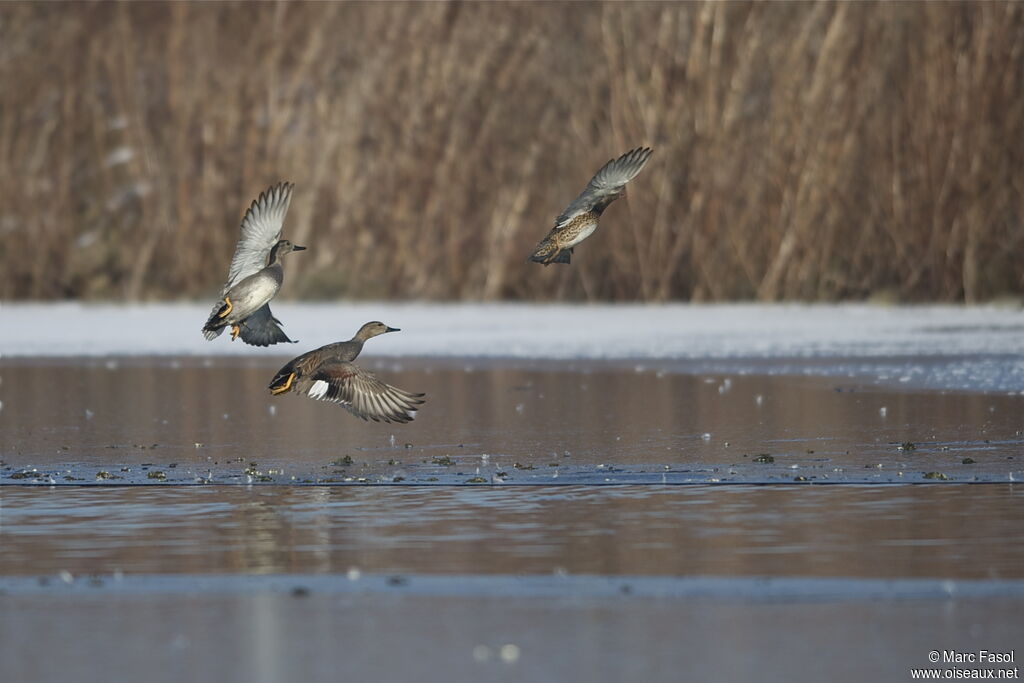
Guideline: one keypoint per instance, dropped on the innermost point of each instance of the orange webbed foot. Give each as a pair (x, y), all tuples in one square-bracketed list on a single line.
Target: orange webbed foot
[(229, 307), (284, 387)]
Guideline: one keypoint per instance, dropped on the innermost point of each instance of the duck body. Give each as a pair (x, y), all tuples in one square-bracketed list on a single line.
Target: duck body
[(580, 218), (328, 374), (306, 364), (247, 297), (557, 246)]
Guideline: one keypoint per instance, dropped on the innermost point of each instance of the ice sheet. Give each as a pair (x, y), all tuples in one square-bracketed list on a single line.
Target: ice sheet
[(945, 347), (532, 330)]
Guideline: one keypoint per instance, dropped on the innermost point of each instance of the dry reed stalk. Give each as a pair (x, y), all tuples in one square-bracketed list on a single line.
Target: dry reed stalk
[(802, 151)]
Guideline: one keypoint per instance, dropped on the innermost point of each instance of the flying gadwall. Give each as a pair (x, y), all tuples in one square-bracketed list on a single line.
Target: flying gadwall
[(328, 374), (256, 273), (579, 219)]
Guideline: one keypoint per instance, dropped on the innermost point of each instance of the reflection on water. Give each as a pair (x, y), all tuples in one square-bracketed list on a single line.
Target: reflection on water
[(208, 418), (855, 531), (190, 418)]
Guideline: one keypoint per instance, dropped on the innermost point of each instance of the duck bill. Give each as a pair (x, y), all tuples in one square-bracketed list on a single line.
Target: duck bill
[(296, 247), (393, 329)]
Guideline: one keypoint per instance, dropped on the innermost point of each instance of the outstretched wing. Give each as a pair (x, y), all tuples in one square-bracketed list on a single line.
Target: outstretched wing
[(360, 392), (262, 329), (261, 229), (606, 185)]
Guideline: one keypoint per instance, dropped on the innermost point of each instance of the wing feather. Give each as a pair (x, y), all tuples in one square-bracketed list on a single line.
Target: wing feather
[(263, 329), (261, 229), (606, 185), (361, 393)]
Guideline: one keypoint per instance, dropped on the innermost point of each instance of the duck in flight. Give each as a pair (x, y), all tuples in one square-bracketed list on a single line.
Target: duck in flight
[(579, 220), (328, 374), (255, 274)]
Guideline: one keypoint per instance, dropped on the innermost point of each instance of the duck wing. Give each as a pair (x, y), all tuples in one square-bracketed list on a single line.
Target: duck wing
[(360, 392), (261, 229), (606, 185), (262, 329)]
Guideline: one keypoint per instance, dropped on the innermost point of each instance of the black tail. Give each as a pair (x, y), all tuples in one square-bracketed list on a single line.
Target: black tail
[(282, 376), (214, 324), (216, 321)]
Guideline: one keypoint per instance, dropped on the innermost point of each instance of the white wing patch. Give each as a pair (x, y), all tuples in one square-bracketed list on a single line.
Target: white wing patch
[(318, 390)]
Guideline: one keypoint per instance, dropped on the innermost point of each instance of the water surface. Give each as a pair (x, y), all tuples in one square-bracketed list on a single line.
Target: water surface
[(167, 519), (951, 532), (184, 421)]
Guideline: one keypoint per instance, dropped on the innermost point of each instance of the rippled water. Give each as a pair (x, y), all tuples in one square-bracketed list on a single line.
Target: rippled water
[(166, 519), (185, 421), (857, 531), (486, 427)]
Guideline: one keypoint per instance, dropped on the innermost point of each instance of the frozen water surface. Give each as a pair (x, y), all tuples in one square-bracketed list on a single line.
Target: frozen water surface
[(537, 330), (944, 347), (604, 493)]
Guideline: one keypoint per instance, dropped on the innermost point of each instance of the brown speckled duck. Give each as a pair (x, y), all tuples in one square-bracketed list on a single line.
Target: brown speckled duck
[(579, 220), (328, 374)]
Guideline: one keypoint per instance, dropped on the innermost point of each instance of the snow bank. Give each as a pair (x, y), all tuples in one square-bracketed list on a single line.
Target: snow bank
[(672, 331)]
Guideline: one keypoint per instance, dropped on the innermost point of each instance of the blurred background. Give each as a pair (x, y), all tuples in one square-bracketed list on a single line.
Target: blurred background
[(808, 151)]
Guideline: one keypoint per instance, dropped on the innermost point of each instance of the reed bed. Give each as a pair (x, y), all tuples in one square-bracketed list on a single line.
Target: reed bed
[(808, 151)]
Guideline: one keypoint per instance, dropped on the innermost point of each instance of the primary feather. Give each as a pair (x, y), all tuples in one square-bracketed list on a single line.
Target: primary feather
[(261, 230), (579, 220), (263, 329), (328, 374), (360, 392), (607, 184)]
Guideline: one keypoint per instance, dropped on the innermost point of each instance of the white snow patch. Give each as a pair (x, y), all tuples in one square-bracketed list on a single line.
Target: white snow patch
[(976, 342), (676, 331)]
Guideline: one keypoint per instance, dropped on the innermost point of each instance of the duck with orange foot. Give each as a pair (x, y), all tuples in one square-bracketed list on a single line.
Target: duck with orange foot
[(256, 274), (328, 374)]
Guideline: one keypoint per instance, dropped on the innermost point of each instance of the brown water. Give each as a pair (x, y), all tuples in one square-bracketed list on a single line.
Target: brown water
[(855, 531), (115, 424), (143, 499), (190, 422)]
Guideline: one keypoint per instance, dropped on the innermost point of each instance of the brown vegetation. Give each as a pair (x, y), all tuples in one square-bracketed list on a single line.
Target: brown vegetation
[(808, 151)]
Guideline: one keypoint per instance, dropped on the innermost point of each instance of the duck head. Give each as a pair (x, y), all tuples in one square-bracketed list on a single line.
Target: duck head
[(372, 329), (283, 247)]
